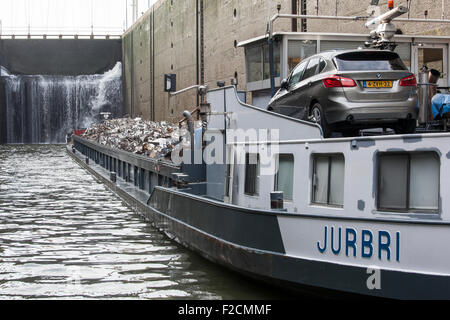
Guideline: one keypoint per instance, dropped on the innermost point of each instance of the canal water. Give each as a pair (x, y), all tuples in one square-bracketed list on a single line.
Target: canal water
[(64, 235)]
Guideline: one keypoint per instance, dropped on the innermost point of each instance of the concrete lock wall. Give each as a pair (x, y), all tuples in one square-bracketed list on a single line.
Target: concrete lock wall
[(164, 40)]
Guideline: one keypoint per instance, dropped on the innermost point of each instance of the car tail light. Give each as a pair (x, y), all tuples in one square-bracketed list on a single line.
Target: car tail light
[(338, 82), (409, 81)]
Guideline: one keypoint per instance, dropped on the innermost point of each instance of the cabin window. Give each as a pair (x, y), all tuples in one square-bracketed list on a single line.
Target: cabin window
[(409, 182), (404, 51), (284, 179), (298, 50), (257, 61), (276, 60), (254, 64), (251, 174), (328, 45), (328, 180)]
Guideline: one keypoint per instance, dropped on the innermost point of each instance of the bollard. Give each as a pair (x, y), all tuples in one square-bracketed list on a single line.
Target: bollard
[(113, 177), (276, 200), (87, 160)]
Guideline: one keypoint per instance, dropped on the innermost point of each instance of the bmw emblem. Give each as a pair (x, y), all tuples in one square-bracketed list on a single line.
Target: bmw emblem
[(379, 75)]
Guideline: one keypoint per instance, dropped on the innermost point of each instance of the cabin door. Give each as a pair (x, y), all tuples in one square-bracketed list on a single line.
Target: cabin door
[(433, 56)]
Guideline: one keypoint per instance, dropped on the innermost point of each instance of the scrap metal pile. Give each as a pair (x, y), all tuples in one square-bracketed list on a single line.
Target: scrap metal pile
[(153, 139)]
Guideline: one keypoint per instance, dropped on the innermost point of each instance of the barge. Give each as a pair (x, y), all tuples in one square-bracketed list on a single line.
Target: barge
[(272, 199)]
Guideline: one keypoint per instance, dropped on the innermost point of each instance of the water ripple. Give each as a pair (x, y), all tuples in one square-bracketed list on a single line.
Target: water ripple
[(64, 235)]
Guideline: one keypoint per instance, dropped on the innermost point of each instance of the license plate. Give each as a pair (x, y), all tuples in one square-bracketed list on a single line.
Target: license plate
[(377, 84)]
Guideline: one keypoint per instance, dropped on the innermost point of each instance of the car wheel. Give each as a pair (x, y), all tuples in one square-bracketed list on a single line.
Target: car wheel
[(406, 126), (319, 117)]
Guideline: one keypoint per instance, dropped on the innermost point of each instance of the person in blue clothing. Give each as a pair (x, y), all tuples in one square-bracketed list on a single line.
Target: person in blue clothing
[(440, 105)]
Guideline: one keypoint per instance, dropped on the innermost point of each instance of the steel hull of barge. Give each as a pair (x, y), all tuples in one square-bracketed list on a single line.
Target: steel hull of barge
[(250, 242), (356, 248)]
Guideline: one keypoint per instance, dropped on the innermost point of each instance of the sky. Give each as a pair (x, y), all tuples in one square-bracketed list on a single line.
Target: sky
[(68, 16)]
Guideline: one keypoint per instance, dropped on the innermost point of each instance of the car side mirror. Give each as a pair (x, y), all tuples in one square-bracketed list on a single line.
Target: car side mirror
[(284, 84)]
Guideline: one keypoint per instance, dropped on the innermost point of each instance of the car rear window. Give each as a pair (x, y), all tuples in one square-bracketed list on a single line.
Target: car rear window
[(365, 61)]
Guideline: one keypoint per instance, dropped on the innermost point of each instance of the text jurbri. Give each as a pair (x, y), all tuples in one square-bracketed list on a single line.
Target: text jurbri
[(365, 245)]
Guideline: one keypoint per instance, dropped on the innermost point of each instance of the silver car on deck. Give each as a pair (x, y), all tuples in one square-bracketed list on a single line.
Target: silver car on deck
[(349, 90)]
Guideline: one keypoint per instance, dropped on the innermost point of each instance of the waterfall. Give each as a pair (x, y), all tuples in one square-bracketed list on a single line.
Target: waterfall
[(43, 109)]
